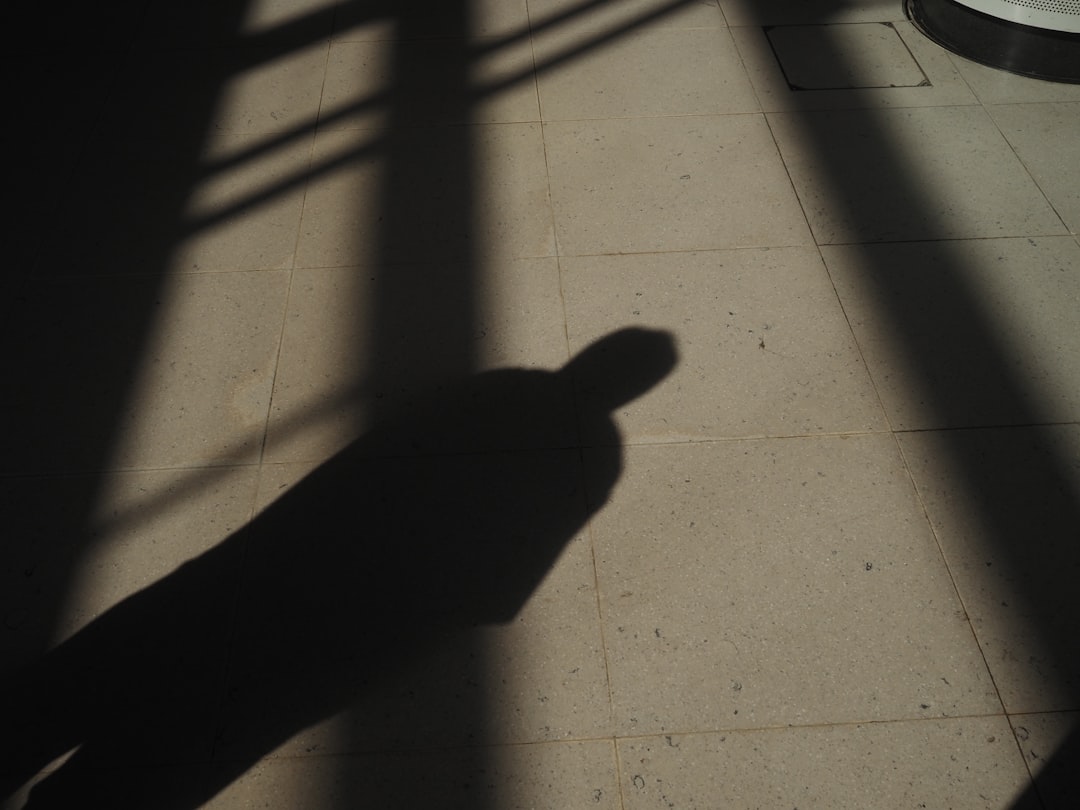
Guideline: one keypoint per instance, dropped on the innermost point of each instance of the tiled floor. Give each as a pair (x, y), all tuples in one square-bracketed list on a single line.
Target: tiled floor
[(826, 558)]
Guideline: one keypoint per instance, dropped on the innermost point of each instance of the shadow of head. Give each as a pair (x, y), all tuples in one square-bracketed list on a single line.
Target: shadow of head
[(622, 366), (446, 517), (516, 409)]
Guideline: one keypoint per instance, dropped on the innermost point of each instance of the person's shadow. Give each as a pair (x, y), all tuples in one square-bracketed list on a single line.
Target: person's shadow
[(444, 518)]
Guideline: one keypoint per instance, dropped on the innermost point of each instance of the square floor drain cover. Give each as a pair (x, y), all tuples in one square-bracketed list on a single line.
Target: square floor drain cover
[(844, 56)]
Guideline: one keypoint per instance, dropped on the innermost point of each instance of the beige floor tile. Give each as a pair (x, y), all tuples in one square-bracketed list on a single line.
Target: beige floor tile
[(773, 582), (993, 86), (441, 194), (764, 348), (1047, 138), (173, 91), (231, 203), (269, 92), (201, 393), (969, 333), (669, 184), (344, 202), (322, 397), (615, 17), (1004, 504), (545, 669), (1049, 743), (909, 174), (943, 85), (264, 16), (648, 73), (802, 12), (147, 524), (244, 211), (569, 774), (521, 314), (555, 776), (507, 19), (275, 479), (129, 372), (359, 342), (962, 763), (369, 83)]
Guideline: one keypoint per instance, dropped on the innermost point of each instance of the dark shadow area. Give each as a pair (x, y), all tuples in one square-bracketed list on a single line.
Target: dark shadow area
[(397, 544)]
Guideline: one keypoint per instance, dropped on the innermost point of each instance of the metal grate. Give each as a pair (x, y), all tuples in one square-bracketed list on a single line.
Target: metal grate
[(1055, 6), (1062, 16)]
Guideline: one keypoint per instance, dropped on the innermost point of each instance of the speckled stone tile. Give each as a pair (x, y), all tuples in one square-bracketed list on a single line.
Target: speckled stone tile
[(145, 525), (1047, 138), (647, 73), (369, 83), (149, 206), (622, 16), (764, 347), (190, 90), (966, 764), (356, 339), (966, 333), (778, 581), (507, 19), (809, 12), (133, 372), (1004, 504), (909, 174), (474, 193), (662, 184), (993, 86), (554, 775), (201, 394)]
